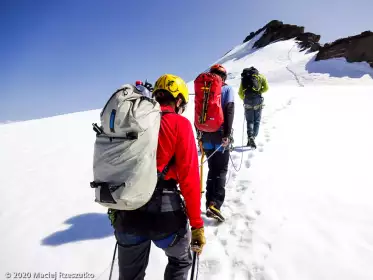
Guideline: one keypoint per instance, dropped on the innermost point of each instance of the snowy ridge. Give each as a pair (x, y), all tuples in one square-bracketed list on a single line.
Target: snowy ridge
[(284, 64), (299, 207)]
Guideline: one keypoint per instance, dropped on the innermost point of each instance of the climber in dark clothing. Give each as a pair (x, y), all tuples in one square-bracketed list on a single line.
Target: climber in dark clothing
[(218, 162)]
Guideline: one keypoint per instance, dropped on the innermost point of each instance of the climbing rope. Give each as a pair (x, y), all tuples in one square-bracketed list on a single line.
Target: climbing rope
[(242, 142), (217, 149)]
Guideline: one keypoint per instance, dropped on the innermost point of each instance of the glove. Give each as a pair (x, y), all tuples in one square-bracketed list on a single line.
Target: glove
[(225, 142), (198, 240)]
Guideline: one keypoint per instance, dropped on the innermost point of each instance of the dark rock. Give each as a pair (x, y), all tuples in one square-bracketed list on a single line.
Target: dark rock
[(355, 48), (309, 41), (309, 37), (248, 38), (277, 30)]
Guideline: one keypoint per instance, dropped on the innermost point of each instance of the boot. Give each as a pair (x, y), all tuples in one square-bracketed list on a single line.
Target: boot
[(213, 212), (251, 142)]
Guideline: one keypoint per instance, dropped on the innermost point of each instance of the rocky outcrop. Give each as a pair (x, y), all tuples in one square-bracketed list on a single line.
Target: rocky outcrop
[(355, 48), (277, 30), (309, 41)]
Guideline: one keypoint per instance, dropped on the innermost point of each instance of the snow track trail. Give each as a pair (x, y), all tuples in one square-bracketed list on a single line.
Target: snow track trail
[(291, 71), (235, 235)]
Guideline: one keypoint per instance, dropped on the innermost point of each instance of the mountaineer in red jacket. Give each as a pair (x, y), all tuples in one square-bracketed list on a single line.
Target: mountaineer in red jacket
[(165, 220)]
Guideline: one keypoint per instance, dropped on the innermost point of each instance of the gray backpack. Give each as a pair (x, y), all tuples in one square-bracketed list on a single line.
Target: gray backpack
[(124, 163)]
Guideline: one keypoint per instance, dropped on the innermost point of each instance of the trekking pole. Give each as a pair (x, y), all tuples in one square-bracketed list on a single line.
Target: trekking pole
[(193, 265), (112, 263)]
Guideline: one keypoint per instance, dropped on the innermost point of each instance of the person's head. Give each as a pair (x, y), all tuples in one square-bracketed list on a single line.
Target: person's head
[(138, 83), (219, 70), (171, 90)]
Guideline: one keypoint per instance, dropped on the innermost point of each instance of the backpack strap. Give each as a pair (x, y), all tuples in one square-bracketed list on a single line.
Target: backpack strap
[(163, 173), (165, 170)]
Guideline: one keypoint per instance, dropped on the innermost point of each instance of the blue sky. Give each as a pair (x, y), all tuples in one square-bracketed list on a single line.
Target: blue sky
[(65, 56)]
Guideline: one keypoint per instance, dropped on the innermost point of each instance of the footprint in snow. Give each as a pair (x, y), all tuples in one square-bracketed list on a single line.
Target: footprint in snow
[(237, 201), (210, 266), (261, 147), (223, 242), (257, 272), (242, 185), (245, 241), (251, 215)]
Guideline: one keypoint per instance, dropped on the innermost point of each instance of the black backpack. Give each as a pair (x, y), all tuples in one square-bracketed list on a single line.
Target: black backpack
[(248, 81)]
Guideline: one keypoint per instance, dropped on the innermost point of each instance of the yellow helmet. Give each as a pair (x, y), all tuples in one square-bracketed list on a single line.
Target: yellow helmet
[(173, 84)]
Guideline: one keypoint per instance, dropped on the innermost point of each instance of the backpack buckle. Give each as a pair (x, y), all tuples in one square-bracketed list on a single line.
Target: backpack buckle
[(132, 135), (111, 188), (94, 185), (97, 129)]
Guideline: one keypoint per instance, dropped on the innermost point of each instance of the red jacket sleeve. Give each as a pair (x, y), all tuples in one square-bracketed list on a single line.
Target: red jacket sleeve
[(186, 159)]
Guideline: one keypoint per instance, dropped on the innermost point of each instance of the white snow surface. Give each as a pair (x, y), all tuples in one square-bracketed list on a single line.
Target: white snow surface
[(300, 207)]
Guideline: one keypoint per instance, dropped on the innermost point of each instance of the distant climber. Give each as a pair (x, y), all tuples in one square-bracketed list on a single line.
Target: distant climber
[(253, 85)]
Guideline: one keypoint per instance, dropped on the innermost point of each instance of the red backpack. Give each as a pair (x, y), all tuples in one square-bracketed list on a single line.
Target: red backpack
[(208, 113)]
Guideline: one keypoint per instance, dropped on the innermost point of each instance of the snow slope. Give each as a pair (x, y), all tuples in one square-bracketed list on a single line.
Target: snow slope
[(283, 63), (298, 208)]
